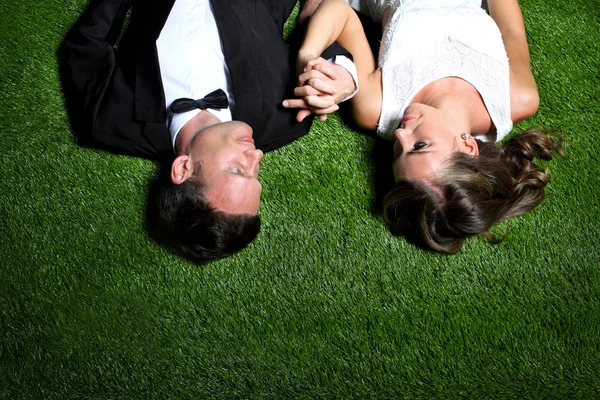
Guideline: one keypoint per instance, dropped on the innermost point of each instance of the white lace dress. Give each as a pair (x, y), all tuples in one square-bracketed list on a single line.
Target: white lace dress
[(426, 40)]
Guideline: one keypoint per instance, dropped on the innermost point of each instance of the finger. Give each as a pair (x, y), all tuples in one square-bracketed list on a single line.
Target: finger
[(315, 61), (294, 103), (324, 86), (312, 74), (323, 117), (327, 69), (303, 113), (325, 111), (319, 101), (307, 90), (319, 81)]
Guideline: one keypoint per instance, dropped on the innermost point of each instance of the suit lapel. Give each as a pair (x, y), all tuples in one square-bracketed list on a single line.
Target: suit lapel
[(148, 20), (232, 17), (234, 20)]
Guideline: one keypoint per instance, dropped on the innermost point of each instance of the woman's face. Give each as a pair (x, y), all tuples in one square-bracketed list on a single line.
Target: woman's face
[(425, 139)]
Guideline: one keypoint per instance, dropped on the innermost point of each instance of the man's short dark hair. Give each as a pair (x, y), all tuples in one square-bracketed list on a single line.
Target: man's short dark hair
[(180, 218)]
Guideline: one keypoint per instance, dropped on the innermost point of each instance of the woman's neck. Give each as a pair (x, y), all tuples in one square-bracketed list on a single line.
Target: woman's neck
[(460, 100)]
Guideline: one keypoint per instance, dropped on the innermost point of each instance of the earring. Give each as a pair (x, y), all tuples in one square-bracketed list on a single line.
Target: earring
[(464, 136)]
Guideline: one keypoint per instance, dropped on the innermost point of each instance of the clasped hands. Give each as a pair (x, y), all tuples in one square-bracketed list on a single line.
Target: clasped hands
[(321, 87)]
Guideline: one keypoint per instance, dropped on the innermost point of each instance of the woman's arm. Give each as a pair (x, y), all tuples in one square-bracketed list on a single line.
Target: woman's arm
[(307, 9), (331, 20), (336, 21), (524, 97)]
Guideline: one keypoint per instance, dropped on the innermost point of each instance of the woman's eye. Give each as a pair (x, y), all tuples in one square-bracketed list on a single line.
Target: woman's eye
[(420, 145), (237, 170)]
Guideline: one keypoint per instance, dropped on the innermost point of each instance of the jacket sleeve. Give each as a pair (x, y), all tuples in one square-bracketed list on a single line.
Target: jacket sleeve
[(99, 84), (88, 61)]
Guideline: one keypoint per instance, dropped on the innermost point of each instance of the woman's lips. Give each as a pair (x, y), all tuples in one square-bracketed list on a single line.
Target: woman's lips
[(406, 118)]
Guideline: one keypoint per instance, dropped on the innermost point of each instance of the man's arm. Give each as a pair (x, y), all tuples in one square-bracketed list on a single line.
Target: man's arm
[(88, 59)]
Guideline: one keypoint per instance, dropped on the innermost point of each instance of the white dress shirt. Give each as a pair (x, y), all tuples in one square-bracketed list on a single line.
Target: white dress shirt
[(191, 60), (192, 63)]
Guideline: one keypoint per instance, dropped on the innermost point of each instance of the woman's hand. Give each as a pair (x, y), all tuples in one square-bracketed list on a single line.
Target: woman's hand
[(321, 87)]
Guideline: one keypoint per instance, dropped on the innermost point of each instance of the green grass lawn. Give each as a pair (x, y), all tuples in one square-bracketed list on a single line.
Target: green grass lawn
[(326, 303)]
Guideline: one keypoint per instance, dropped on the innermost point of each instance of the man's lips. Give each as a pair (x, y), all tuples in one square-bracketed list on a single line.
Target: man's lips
[(407, 118), (247, 139)]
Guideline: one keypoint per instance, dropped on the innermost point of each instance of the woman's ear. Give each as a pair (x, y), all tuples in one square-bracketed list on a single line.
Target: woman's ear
[(180, 170), (470, 146)]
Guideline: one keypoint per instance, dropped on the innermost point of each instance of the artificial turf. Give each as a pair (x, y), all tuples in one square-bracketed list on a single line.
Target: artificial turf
[(326, 303)]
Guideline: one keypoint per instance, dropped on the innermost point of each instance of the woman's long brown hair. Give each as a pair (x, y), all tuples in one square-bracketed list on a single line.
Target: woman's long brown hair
[(478, 192)]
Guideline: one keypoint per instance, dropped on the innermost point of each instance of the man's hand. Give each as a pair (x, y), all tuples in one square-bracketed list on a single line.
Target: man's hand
[(321, 87)]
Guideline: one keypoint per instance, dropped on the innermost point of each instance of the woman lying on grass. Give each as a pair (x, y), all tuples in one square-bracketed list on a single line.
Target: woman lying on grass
[(445, 91)]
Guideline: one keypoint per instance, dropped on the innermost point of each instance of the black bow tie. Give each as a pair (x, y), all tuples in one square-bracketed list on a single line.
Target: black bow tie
[(215, 100)]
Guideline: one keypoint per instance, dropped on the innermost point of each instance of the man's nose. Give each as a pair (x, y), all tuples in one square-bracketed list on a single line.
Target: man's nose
[(254, 156)]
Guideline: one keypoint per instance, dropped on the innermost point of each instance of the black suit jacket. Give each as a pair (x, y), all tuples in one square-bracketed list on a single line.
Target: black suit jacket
[(114, 94)]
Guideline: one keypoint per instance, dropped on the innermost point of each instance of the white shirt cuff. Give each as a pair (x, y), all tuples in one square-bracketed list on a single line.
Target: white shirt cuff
[(349, 66)]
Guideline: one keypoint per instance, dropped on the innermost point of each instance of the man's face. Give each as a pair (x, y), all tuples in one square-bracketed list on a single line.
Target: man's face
[(230, 164)]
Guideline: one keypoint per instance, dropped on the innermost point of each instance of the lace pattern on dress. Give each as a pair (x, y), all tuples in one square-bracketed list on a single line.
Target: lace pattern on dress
[(448, 57), (376, 8), (426, 40)]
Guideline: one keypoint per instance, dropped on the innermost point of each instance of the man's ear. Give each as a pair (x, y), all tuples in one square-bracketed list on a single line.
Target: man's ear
[(180, 169), (470, 146)]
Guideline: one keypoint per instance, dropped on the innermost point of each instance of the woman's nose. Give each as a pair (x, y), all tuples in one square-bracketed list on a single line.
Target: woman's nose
[(402, 133)]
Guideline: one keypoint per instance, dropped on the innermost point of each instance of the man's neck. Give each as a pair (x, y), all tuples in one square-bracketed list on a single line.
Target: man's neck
[(193, 127)]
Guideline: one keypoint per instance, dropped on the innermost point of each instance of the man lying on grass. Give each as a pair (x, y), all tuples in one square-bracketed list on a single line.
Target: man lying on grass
[(143, 92)]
